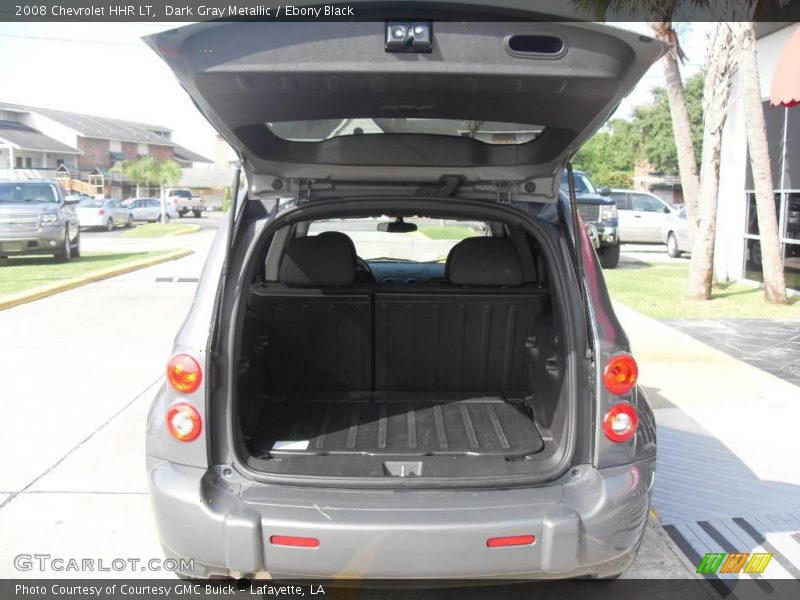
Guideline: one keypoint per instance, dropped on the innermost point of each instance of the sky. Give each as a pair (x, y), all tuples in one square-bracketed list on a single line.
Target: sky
[(105, 69)]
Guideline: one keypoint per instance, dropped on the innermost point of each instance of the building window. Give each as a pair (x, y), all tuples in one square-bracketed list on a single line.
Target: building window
[(28, 162), (141, 149), (114, 146), (783, 136), (59, 162), (18, 162)]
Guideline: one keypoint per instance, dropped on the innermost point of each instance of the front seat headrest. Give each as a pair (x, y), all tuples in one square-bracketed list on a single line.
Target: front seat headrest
[(318, 261), (484, 261)]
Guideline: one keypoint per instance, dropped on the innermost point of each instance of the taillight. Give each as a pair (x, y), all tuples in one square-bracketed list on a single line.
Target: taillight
[(101, 212), (510, 540), (620, 422), (184, 373), (292, 540), (184, 422), (620, 374)]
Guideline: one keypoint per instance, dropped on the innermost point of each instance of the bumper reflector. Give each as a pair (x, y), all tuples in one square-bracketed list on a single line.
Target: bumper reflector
[(291, 540), (511, 540)]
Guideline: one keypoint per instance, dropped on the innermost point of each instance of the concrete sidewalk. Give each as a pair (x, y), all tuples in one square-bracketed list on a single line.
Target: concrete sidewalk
[(728, 474)]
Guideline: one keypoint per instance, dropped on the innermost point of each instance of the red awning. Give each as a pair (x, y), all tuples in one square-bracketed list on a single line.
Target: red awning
[(786, 81)]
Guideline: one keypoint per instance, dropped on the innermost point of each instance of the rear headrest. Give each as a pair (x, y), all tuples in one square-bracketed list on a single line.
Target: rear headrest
[(318, 261), (342, 236), (484, 261)]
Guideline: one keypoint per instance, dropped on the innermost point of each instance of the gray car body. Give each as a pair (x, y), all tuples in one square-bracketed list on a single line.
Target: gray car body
[(589, 519), (22, 231)]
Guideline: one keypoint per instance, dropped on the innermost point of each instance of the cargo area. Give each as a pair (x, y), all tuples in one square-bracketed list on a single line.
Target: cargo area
[(455, 376)]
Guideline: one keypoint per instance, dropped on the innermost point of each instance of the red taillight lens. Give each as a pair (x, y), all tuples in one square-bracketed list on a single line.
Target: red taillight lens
[(291, 540), (101, 212), (184, 422), (510, 540), (620, 374), (184, 374), (620, 423)]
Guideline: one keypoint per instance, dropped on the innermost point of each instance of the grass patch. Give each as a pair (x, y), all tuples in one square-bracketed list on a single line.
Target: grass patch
[(658, 291), (448, 232), (157, 230), (24, 273)]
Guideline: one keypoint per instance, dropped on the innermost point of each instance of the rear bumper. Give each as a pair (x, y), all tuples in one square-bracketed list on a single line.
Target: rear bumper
[(589, 523)]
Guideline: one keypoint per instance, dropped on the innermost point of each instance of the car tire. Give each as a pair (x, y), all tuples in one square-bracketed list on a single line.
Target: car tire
[(110, 224), (129, 222), (166, 218), (65, 253), (609, 256), (672, 246), (197, 213), (76, 246)]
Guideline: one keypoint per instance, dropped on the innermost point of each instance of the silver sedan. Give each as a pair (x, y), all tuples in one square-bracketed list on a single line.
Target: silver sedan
[(149, 209), (675, 233)]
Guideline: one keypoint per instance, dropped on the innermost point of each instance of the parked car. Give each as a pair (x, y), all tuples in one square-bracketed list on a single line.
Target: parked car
[(185, 202), (337, 409), (149, 209), (35, 218), (642, 216), (103, 212), (599, 214), (675, 233)]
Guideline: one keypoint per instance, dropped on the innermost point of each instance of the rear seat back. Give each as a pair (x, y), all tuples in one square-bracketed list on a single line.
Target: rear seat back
[(316, 323), (468, 335)]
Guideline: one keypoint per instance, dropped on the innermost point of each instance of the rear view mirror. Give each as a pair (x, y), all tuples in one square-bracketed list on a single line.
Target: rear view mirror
[(667, 210), (605, 191), (397, 226)]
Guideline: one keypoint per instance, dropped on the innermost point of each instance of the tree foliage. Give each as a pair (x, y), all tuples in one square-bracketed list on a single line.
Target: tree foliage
[(653, 125), (610, 156)]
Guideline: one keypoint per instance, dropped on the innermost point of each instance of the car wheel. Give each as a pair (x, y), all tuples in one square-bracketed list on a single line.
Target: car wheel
[(672, 246), (197, 213), (65, 253), (609, 256), (76, 246), (129, 222), (166, 218), (110, 224)]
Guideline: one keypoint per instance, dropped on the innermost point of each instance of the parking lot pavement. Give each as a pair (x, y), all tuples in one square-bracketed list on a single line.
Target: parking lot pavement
[(79, 373), (727, 476), (772, 345)]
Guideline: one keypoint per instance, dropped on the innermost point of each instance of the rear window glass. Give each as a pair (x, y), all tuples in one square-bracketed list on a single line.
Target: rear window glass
[(91, 203), (488, 132), (431, 242)]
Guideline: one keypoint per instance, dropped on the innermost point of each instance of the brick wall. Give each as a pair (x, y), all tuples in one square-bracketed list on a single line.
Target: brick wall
[(129, 150), (95, 154), (161, 153)]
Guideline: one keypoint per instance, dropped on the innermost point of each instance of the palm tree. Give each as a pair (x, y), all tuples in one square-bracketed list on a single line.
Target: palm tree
[(141, 172), (772, 262), (716, 97), (169, 173), (679, 113)]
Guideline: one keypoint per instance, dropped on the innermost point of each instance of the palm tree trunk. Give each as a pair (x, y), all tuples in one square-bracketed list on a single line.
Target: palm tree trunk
[(716, 95), (772, 263), (681, 127)]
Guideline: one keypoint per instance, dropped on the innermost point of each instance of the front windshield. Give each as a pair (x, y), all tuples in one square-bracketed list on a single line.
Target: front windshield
[(34, 192), (583, 184), (431, 242)]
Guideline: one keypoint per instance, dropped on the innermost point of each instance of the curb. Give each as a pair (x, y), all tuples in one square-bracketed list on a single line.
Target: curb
[(69, 284)]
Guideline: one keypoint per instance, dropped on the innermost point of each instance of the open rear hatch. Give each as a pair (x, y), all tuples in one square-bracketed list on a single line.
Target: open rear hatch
[(342, 110), (312, 103)]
